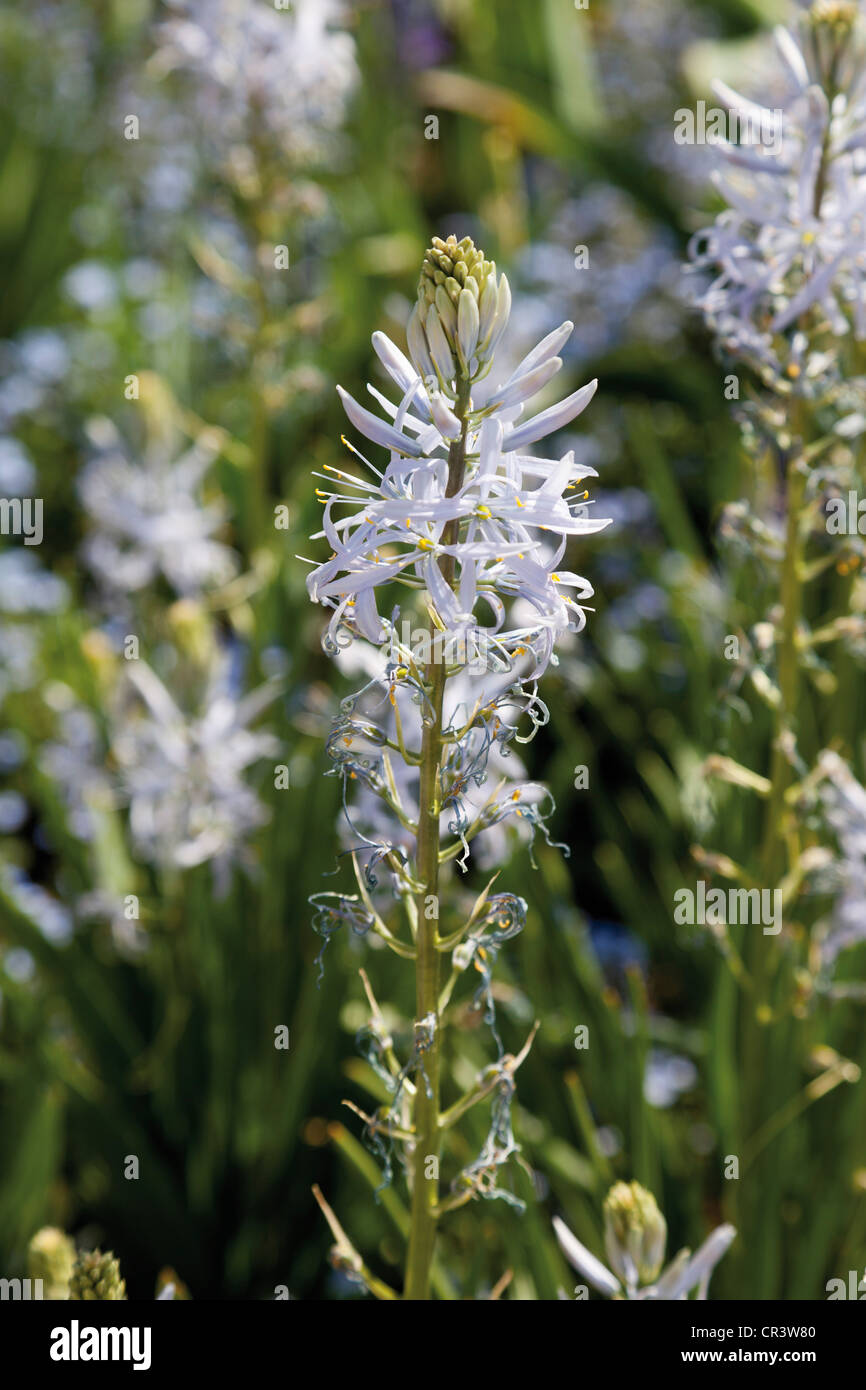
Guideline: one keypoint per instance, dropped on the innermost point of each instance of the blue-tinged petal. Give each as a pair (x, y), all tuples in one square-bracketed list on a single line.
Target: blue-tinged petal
[(550, 420), (585, 1263), (377, 430)]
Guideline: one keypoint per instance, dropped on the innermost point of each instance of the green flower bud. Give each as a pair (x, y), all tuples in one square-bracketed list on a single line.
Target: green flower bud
[(840, 16), (461, 313), (635, 1233), (96, 1277), (170, 1288), (462, 954), (50, 1257), (835, 34)]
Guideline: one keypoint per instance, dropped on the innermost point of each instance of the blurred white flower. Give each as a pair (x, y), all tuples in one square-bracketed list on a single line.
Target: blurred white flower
[(91, 285), (182, 776), (19, 649), (789, 252), (17, 474), (13, 812), (25, 587), (76, 763), (148, 520), (34, 902), (287, 72), (844, 800), (666, 1077)]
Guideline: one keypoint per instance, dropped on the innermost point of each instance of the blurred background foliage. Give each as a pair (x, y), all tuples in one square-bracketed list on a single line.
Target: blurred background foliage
[(145, 257)]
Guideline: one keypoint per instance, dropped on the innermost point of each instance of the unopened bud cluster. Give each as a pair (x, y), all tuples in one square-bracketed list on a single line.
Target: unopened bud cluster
[(461, 314), (96, 1277), (454, 265), (51, 1257), (834, 31), (635, 1233), (838, 15)]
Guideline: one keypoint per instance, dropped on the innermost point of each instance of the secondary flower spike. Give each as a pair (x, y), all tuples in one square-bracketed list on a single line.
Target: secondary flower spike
[(635, 1235), (787, 256)]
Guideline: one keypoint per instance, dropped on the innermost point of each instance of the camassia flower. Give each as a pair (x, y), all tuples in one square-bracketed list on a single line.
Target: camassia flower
[(471, 524), (788, 254), (505, 527), (635, 1234)]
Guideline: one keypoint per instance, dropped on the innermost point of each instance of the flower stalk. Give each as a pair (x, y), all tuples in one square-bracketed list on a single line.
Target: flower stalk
[(425, 1187), (466, 515)]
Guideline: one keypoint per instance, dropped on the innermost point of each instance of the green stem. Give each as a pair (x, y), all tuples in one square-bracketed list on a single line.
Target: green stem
[(762, 1048), (425, 1188), (791, 598)]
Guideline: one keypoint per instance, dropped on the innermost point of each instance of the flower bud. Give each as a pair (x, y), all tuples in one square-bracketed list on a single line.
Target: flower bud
[(461, 313), (96, 1277), (839, 16), (50, 1257), (170, 1288), (635, 1233), (836, 38), (463, 954), (192, 629)]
